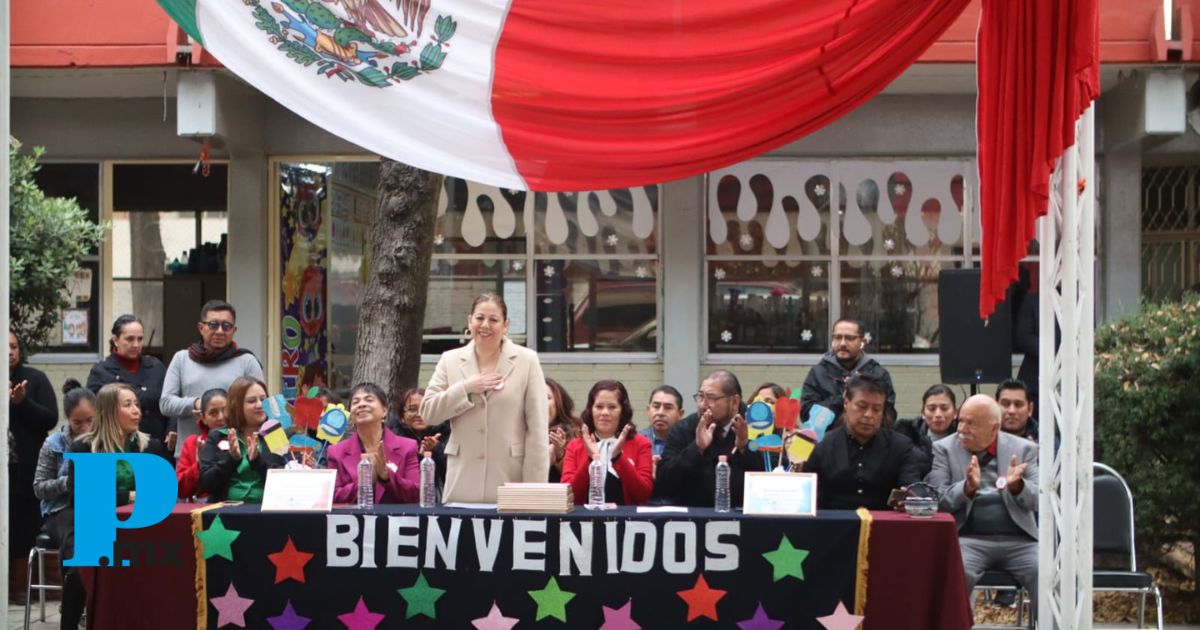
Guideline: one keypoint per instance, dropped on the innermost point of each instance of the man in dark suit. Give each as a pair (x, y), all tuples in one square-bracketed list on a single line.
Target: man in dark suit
[(859, 463), (687, 472), (988, 481)]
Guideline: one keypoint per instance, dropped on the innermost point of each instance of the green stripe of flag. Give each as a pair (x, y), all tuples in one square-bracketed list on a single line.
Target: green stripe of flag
[(184, 14)]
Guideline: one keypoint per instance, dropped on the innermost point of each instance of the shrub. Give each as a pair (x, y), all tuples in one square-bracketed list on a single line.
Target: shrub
[(1148, 416)]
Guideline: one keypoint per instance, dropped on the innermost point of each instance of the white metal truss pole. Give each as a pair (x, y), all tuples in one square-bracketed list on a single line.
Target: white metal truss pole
[(1067, 247), (5, 98)]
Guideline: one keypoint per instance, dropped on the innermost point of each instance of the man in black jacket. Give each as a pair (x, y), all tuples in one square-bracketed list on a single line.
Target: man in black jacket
[(827, 380), (859, 463), (687, 473)]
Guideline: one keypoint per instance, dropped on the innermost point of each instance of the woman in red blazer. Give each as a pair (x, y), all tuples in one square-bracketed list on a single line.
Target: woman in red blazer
[(608, 428)]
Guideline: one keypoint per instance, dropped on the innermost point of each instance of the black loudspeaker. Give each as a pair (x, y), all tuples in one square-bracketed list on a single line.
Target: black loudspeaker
[(969, 351)]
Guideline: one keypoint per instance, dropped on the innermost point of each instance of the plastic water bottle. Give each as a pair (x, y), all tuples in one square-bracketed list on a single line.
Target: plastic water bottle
[(597, 474), (428, 486), (366, 483), (721, 499)]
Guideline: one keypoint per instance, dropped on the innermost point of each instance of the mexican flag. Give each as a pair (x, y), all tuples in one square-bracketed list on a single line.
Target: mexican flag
[(561, 95)]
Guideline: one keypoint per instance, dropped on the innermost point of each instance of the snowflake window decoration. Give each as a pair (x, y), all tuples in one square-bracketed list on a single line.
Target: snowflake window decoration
[(818, 271), (518, 265), (641, 272), (897, 271), (900, 189), (806, 335), (548, 271), (867, 338), (719, 274), (438, 240), (889, 244), (612, 240), (726, 336), (746, 241), (819, 189)]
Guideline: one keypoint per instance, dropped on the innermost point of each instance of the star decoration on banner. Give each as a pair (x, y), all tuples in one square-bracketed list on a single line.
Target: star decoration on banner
[(548, 271), (619, 618), (818, 271), (612, 240), (899, 189), (819, 189), (231, 607), (361, 618), (786, 560), (289, 562), (552, 601), (746, 241), (518, 265), (889, 244), (217, 540), (701, 600), (719, 274), (726, 336), (760, 621), (421, 598), (495, 620), (897, 271), (641, 272), (438, 240), (806, 334), (841, 619), (288, 620)]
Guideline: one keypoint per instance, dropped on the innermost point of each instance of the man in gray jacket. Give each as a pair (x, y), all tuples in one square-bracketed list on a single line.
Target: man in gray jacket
[(214, 361), (988, 481)]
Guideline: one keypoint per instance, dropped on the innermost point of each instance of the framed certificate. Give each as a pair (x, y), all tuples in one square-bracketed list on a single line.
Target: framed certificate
[(299, 490), (785, 494)]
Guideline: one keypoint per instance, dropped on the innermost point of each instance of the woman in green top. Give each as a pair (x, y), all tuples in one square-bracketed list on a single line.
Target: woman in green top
[(235, 459), (115, 430)]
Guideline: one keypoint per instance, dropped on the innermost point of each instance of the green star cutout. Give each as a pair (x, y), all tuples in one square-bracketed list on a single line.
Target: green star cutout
[(552, 601), (421, 598), (786, 560), (218, 540)]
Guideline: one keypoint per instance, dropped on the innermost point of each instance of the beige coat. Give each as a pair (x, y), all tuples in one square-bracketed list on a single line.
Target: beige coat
[(497, 437)]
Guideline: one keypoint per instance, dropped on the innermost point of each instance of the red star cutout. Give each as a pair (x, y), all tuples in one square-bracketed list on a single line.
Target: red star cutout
[(701, 600), (289, 563)]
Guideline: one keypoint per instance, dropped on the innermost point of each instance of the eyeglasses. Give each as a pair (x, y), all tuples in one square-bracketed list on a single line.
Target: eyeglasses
[(215, 324), (847, 337), (700, 396)]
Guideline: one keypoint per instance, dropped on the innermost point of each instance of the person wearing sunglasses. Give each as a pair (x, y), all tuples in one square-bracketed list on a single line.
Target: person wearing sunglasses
[(215, 361)]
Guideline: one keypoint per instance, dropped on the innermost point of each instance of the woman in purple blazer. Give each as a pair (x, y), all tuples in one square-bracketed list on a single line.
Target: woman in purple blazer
[(393, 458)]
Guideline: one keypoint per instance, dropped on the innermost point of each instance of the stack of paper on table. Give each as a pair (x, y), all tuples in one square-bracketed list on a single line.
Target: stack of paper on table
[(550, 498)]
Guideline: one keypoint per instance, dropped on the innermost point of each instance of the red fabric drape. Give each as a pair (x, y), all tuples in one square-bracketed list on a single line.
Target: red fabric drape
[(1039, 69), (610, 94)]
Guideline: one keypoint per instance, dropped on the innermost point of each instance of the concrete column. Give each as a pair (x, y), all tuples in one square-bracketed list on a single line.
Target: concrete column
[(681, 327), (1121, 234)]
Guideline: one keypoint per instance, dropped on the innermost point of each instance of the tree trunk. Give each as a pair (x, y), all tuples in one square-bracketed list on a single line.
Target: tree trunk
[(388, 350)]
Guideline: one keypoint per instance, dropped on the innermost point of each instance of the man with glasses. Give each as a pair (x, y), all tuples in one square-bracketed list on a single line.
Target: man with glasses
[(213, 362), (687, 472), (826, 382)]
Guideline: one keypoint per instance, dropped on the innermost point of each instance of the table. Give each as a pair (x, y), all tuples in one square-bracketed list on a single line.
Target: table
[(448, 567)]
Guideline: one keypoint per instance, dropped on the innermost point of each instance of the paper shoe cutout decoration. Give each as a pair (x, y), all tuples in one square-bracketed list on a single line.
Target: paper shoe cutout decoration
[(304, 441), (275, 437), (819, 419), (787, 412), (308, 412), (760, 418), (801, 446), (276, 408), (334, 424)]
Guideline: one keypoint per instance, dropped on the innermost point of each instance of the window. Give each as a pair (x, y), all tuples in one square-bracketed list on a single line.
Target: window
[(578, 271), (781, 265)]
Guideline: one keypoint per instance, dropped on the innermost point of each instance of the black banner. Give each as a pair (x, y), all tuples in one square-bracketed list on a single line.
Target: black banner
[(402, 566)]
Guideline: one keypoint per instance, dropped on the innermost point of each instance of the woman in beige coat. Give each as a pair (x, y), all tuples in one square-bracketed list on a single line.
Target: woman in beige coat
[(494, 394)]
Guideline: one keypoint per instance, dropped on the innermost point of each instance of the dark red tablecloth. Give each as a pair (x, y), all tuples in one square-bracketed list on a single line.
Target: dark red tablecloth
[(915, 574), (147, 597)]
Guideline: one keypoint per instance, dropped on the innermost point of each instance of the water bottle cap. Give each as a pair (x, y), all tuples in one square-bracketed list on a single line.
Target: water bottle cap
[(722, 458), (365, 456), (428, 454)]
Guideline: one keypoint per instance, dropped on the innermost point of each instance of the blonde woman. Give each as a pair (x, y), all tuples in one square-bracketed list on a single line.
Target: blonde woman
[(493, 393)]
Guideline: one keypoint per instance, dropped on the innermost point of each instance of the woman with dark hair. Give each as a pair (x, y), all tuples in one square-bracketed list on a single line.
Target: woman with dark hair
[(126, 364), (407, 422), (938, 419), (115, 430), (769, 392), (32, 413), (493, 393), (394, 463), (212, 416), (564, 426), (235, 459), (608, 432)]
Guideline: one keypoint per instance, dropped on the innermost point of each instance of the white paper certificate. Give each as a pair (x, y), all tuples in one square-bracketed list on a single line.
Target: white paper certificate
[(792, 494), (299, 490)]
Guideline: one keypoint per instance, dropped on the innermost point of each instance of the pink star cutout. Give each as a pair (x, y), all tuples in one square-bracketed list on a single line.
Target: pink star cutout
[(361, 618), (619, 618), (841, 619), (231, 607), (495, 620)]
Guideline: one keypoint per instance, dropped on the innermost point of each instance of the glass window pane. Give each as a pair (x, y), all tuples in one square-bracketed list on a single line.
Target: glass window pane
[(479, 219), (896, 300), (621, 221), (453, 287), (144, 243), (902, 208), (769, 208), (768, 306), (80, 182), (597, 306)]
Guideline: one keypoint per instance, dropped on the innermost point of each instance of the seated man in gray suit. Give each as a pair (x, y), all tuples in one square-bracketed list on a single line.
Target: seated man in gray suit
[(988, 480)]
